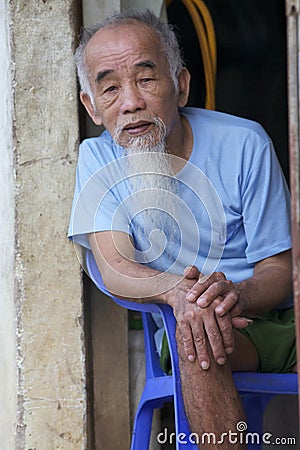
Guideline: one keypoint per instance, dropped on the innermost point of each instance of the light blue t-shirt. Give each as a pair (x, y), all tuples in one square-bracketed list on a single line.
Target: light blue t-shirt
[(232, 202)]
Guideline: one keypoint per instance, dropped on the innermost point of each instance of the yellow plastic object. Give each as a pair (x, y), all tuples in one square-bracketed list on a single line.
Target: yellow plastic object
[(204, 27)]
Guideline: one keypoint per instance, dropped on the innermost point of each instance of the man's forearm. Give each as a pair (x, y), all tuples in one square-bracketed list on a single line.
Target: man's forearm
[(126, 278), (269, 286), (261, 293), (134, 281)]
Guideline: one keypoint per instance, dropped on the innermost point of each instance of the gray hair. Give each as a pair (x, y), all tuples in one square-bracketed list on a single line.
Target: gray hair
[(165, 32)]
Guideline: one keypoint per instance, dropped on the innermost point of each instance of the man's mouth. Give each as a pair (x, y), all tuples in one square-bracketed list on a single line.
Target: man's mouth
[(137, 127)]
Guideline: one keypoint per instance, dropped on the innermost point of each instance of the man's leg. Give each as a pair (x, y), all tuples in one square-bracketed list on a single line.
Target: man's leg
[(211, 400)]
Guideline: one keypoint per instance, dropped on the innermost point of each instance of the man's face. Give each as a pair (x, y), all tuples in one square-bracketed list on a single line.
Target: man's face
[(131, 82)]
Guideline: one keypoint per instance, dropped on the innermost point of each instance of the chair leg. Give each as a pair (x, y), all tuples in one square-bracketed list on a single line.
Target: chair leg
[(143, 420), (255, 406), (142, 427)]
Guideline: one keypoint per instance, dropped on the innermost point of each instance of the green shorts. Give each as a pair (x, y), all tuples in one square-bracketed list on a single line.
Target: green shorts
[(274, 337)]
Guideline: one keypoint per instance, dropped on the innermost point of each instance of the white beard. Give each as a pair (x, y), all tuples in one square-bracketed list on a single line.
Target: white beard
[(154, 188)]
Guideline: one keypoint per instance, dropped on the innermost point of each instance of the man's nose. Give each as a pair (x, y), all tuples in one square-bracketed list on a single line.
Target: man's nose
[(132, 99)]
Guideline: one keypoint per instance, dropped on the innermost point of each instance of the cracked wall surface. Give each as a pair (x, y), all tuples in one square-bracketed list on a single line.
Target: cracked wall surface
[(44, 298)]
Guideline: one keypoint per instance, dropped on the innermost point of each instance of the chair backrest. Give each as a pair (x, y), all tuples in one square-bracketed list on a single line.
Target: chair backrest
[(153, 368)]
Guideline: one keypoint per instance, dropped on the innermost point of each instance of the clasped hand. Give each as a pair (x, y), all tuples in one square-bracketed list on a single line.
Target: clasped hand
[(207, 315)]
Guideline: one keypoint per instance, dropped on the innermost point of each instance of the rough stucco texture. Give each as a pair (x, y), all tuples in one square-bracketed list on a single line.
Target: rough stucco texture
[(51, 375)]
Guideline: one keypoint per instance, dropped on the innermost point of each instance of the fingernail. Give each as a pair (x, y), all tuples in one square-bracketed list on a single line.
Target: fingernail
[(201, 301), (219, 310), (190, 296), (247, 320), (191, 358), (204, 365), (228, 350), (221, 361), (187, 269)]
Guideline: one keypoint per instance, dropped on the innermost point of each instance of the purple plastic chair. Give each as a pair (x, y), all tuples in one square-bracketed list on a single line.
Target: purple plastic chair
[(256, 389)]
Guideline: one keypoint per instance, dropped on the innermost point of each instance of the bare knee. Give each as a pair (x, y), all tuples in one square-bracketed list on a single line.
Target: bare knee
[(245, 356)]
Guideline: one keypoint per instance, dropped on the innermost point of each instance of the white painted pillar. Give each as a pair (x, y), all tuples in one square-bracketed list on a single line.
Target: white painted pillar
[(42, 359)]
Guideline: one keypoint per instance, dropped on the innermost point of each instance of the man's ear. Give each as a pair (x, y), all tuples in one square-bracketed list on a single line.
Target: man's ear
[(92, 112), (183, 87)]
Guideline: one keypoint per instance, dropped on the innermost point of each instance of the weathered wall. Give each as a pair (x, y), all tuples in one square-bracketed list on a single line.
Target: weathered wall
[(7, 307), (95, 10), (46, 299)]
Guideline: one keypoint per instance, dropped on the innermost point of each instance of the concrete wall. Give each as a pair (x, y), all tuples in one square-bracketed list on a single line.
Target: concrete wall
[(95, 10), (42, 364), (8, 399)]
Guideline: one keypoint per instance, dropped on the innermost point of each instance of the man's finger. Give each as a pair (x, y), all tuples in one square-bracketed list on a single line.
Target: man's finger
[(200, 343), (241, 322), (203, 283), (225, 328), (191, 272), (216, 289), (187, 341), (215, 340), (229, 301)]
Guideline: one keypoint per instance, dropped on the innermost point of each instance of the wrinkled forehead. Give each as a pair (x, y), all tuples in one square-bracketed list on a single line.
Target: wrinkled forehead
[(117, 38)]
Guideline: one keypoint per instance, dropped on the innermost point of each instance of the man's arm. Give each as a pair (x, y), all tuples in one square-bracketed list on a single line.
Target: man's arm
[(270, 285), (125, 278)]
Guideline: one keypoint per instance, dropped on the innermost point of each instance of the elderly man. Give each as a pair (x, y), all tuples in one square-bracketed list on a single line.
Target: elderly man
[(167, 190)]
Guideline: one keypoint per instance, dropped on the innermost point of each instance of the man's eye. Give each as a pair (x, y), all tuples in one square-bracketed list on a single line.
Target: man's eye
[(146, 80), (110, 89)]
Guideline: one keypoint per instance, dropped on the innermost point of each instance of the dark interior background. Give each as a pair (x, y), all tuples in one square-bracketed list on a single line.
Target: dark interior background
[(252, 62)]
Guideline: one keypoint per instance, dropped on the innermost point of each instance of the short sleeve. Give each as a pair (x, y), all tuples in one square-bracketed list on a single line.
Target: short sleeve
[(99, 194), (266, 207)]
